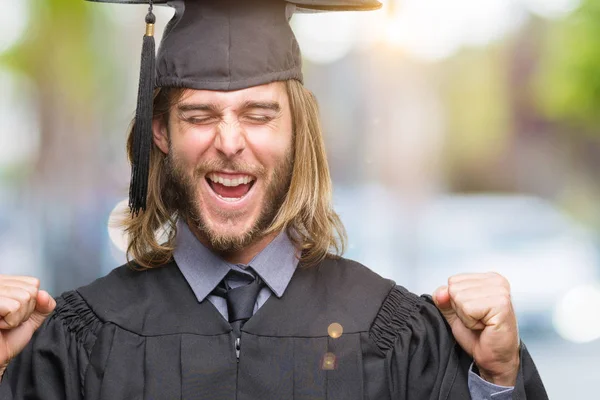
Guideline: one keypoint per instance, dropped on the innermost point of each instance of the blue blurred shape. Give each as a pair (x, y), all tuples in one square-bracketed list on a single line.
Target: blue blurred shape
[(542, 251)]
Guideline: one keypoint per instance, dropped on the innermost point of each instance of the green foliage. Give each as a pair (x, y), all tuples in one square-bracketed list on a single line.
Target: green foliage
[(475, 91), (58, 50), (568, 82)]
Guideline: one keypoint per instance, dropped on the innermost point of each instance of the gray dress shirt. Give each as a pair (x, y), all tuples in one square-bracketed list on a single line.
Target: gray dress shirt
[(204, 270), (275, 264)]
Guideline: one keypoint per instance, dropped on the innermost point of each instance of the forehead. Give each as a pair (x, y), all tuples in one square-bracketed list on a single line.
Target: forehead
[(275, 91)]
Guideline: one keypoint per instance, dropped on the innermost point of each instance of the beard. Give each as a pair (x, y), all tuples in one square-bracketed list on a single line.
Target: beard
[(182, 190)]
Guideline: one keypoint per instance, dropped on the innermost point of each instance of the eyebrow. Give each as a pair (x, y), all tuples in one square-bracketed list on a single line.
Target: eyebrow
[(196, 107), (265, 105), (248, 105)]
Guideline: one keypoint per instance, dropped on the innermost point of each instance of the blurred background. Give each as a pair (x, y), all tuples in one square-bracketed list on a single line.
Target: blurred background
[(463, 136)]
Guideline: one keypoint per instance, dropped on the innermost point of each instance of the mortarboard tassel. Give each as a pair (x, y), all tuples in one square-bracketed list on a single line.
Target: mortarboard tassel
[(142, 134)]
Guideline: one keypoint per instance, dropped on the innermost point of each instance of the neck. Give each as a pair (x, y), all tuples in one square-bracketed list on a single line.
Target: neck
[(241, 256)]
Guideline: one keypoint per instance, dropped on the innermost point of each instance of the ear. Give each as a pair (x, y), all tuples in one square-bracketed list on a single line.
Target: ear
[(160, 135)]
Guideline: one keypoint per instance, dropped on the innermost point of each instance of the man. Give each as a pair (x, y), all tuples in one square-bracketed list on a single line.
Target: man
[(235, 290)]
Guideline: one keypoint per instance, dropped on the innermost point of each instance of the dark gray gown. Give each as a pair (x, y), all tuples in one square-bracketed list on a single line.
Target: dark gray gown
[(144, 335)]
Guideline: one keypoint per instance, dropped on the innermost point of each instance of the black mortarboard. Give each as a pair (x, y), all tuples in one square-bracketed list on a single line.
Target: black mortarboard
[(216, 45)]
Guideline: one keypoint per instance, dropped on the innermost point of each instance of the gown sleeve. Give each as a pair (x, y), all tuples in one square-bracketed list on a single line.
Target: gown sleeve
[(424, 361), (53, 364)]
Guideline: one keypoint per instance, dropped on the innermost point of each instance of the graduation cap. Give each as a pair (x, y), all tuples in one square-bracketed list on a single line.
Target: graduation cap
[(216, 45)]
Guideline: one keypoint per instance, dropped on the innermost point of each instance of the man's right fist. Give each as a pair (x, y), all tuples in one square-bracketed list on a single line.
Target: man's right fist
[(23, 309)]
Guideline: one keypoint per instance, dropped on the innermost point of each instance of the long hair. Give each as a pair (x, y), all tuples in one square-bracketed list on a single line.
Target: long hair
[(306, 213)]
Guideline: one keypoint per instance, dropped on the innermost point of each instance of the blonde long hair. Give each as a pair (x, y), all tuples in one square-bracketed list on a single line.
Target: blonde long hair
[(306, 213)]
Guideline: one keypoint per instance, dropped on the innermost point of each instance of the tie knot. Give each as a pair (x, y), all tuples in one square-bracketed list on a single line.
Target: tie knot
[(235, 278), (241, 299)]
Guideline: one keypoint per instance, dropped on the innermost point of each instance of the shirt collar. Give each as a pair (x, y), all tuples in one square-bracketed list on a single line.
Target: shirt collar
[(204, 270), (276, 263)]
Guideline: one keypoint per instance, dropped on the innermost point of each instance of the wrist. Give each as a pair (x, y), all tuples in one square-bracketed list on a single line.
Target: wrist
[(507, 377)]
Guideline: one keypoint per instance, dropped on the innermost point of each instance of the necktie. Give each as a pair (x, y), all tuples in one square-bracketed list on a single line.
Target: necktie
[(241, 300)]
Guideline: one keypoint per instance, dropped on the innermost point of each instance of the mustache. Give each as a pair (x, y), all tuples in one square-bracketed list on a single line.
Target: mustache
[(234, 166)]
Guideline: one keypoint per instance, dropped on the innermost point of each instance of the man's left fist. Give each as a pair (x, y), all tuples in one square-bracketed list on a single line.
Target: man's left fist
[(479, 310)]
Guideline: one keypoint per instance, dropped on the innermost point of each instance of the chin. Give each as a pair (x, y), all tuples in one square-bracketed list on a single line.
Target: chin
[(228, 242), (231, 234)]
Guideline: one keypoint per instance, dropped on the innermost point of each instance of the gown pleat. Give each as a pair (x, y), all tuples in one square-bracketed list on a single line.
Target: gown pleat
[(162, 366), (309, 383), (209, 366), (266, 368)]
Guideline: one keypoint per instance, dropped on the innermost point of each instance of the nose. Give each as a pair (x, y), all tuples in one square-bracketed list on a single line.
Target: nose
[(230, 139)]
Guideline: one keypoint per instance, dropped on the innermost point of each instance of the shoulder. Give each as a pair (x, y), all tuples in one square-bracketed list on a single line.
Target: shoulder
[(125, 286), (344, 286), (342, 273), (126, 281), (83, 311), (130, 298), (340, 280), (379, 306), (407, 315), (74, 316)]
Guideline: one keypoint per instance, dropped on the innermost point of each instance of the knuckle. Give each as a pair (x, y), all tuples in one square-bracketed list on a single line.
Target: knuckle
[(497, 277), (453, 291), (32, 291), (23, 296), (452, 280), (35, 282), (13, 308), (458, 299), (468, 308), (494, 275), (504, 301)]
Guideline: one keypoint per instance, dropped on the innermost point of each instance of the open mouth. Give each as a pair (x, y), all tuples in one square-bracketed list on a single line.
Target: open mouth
[(230, 188)]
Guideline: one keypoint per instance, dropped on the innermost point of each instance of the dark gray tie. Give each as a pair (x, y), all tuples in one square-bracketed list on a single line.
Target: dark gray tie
[(241, 300)]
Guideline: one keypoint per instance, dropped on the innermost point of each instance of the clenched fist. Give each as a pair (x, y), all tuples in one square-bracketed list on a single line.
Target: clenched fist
[(23, 309), (479, 310)]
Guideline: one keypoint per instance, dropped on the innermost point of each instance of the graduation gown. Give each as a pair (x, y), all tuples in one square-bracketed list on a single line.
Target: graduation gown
[(144, 335)]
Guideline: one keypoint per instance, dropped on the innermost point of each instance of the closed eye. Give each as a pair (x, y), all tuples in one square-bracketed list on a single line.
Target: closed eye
[(263, 119), (201, 120)]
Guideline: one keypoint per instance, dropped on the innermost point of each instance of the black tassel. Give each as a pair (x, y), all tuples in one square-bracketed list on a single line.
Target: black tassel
[(142, 134)]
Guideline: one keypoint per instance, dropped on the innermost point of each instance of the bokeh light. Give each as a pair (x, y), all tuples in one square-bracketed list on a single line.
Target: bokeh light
[(435, 29), (327, 37), (329, 362), (335, 330), (552, 8), (115, 232), (13, 23), (19, 126), (576, 317)]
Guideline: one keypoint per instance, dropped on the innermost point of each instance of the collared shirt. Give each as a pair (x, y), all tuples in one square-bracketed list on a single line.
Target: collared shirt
[(204, 270), (275, 264)]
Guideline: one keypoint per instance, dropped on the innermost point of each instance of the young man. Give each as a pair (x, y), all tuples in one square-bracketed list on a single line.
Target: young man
[(246, 297)]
